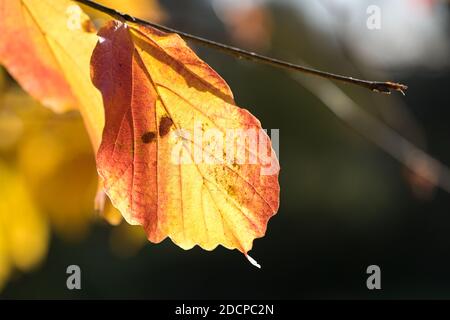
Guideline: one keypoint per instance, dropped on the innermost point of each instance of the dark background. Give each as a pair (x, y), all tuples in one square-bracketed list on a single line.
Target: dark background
[(345, 204)]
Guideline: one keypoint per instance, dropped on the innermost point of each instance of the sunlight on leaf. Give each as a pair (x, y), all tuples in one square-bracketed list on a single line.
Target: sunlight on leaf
[(46, 45), (152, 86), (47, 37)]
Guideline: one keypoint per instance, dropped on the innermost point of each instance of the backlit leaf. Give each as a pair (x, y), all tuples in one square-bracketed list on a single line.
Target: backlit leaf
[(46, 46), (153, 88)]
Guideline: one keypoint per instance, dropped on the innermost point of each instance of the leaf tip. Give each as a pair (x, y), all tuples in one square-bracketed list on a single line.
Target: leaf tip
[(253, 261)]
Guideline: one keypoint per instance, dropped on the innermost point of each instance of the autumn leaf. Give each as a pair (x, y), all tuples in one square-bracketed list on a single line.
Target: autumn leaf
[(46, 46), (24, 48), (155, 89)]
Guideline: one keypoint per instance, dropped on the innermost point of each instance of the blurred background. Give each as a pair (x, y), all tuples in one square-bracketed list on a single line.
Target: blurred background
[(354, 191)]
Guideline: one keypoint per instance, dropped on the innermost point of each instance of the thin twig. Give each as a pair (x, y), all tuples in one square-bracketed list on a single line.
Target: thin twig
[(377, 86)]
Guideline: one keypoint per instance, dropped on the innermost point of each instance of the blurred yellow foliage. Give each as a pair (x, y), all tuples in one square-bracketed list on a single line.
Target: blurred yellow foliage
[(5, 263), (63, 180), (10, 130), (107, 210), (48, 175), (54, 154), (144, 9), (23, 229), (47, 178)]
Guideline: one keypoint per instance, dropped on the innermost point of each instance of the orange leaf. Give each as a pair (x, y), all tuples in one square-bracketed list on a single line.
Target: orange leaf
[(156, 91), (23, 49), (46, 45)]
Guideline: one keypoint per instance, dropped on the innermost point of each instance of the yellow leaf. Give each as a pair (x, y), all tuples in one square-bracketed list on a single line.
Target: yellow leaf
[(47, 45)]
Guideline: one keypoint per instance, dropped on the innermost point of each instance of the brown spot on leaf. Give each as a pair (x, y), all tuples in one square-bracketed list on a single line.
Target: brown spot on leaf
[(148, 137), (164, 125), (232, 191)]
